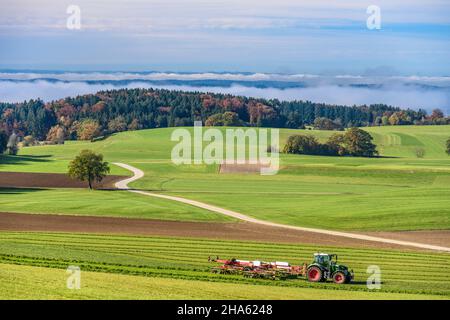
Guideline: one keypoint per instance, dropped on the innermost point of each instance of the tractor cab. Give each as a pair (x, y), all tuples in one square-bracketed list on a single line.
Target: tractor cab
[(326, 260)]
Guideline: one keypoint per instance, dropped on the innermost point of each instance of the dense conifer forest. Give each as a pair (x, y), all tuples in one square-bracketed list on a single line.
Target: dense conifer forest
[(94, 115)]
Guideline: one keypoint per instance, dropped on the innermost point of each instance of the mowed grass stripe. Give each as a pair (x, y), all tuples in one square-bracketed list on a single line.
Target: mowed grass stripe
[(24, 260), (24, 282), (265, 251), (188, 258), (394, 286), (181, 245), (164, 258), (192, 253)]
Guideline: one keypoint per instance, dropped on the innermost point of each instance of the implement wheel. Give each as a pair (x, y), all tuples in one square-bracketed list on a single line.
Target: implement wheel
[(339, 278), (314, 274), (216, 270)]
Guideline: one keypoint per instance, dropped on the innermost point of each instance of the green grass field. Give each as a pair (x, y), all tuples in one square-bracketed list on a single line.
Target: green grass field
[(100, 203), (398, 192), (25, 282), (137, 263)]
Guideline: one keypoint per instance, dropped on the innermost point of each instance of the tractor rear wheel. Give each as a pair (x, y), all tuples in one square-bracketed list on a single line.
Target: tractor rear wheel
[(315, 274), (339, 278)]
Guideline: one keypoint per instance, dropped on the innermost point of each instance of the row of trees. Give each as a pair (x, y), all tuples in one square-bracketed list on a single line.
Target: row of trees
[(327, 124), (437, 117), (88, 116), (354, 142)]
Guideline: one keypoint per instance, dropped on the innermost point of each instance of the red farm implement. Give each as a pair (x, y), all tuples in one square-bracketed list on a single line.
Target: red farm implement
[(323, 267), (258, 269)]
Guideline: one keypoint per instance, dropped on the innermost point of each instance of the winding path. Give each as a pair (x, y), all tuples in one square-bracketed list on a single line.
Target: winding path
[(123, 185)]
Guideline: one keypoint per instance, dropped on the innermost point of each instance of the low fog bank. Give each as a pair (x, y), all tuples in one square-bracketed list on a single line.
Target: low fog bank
[(400, 95)]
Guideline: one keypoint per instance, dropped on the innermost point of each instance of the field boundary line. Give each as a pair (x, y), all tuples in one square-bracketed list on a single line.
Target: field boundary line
[(138, 174)]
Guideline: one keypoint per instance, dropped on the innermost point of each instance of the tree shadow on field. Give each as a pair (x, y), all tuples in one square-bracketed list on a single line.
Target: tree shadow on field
[(359, 282), (386, 157), (19, 190), (12, 160)]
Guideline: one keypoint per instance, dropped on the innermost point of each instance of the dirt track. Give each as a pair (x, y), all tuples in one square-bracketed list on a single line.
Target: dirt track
[(245, 230), (225, 231), (137, 174), (50, 180), (435, 237)]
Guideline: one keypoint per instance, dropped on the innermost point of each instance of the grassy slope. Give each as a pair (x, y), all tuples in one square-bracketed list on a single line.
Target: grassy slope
[(25, 282), (100, 203), (402, 271), (401, 193)]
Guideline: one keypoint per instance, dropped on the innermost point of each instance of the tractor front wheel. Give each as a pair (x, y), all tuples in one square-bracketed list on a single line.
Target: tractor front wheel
[(315, 274), (339, 278)]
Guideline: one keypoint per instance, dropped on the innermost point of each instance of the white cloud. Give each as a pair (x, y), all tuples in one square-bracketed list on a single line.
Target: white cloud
[(399, 94), (179, 15), (304, 79)]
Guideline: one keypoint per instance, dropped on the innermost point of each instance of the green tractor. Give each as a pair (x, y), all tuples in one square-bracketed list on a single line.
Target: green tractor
[(325, 267)]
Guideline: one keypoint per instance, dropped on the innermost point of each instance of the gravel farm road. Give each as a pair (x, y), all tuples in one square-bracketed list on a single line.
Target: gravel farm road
[(137, 174)]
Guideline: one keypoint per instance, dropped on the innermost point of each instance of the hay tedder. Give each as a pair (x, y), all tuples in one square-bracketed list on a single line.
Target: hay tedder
[(323, 267)]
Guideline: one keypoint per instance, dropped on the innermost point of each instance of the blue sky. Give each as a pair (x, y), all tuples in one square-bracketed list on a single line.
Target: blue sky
[(282, 36)]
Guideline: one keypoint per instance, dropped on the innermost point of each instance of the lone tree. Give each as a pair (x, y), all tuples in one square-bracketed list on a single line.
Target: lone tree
[(448, 146), (12, 145), (420, 152), (88, 166), (302, 144), (359, 143)]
